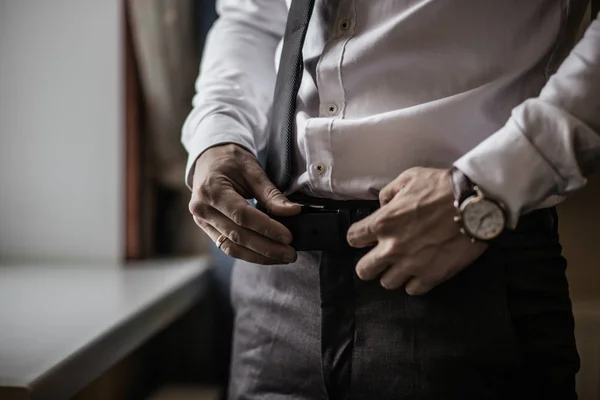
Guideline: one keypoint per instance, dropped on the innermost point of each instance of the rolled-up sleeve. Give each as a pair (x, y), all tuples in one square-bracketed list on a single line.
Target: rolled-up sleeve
[(235, 85), (550, 143)]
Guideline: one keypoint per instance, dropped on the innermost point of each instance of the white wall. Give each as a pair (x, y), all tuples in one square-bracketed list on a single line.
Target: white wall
[(61, 130)]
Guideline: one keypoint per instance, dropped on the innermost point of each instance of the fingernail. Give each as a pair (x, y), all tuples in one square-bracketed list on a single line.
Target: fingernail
[(289, 203), (290, 258), (360, 273)]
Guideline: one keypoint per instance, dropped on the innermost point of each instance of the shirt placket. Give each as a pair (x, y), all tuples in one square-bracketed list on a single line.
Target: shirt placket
[(332, 97)]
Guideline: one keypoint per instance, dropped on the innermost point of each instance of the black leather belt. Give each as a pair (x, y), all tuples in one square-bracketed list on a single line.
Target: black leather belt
[(323, 223)]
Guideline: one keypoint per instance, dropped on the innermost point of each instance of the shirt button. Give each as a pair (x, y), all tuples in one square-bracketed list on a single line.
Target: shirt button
[(332, 109), (320, 168), (344, 25)]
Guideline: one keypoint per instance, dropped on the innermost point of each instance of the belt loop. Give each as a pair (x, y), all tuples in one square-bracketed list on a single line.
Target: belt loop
[(553, 219)]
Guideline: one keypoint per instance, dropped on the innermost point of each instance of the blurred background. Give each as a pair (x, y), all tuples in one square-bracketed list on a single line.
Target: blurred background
[(92, 98), (93, 95)]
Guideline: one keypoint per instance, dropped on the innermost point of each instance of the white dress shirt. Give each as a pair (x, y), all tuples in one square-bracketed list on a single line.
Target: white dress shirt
[(389, 85)]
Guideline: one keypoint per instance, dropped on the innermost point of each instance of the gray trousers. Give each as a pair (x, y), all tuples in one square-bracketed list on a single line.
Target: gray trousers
[(501, 329)]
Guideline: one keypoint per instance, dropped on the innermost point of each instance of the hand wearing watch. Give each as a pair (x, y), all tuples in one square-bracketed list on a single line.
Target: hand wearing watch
[(481, 218)]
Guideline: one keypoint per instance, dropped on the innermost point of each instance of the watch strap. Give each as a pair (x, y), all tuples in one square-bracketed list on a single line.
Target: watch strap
[(462, 186)]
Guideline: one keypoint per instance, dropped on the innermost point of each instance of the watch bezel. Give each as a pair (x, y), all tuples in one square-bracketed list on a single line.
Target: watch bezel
[(476, 198)]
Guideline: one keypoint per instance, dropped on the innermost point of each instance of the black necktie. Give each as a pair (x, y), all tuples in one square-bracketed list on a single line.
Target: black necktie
[(279, 162)]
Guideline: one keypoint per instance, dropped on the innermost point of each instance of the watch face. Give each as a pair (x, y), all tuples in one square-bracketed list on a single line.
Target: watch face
[(483, 219)]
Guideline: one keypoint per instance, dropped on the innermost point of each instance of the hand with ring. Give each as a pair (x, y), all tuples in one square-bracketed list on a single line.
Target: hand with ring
[(226, 175)]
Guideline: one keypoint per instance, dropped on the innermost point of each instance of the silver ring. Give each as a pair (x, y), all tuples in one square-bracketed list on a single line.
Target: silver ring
[(220, 240)]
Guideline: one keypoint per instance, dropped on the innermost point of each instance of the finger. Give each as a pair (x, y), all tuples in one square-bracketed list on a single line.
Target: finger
[(374, 263), (419, 286), (250, 239), (268, 195), (391, 189), (428, 268), (387, 193), (233, 249), (237, 209), (364, 232), (396, 275), (210, 231), (443, 265)]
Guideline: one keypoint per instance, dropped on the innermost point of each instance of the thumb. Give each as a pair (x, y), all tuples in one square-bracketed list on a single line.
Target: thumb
[(270, 197)]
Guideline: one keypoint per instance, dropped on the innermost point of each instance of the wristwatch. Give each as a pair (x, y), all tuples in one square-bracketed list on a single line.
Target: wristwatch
[(480, 217)]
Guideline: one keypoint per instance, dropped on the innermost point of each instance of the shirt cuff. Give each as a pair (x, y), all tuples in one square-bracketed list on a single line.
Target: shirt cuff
[(212, 131), (508, 167)]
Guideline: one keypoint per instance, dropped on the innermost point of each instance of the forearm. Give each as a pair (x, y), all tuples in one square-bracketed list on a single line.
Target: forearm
[(550, 143), (235, 87)]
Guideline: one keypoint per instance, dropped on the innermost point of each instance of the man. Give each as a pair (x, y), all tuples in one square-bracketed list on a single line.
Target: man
[(451, 285)]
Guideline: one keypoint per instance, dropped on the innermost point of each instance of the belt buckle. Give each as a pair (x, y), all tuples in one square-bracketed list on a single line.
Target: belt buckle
[(317, 229), (326, 228)]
